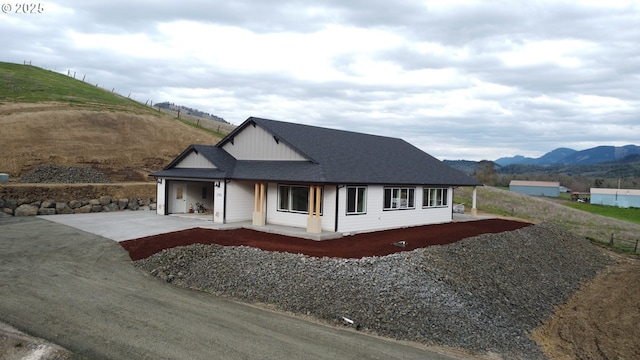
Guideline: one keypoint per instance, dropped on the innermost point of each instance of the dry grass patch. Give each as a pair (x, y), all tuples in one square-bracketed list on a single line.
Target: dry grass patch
[(126, 146), (539, 209)]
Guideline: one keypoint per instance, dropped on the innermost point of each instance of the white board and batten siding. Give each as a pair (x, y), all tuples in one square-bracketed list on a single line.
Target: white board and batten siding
[(377, 218), (255, 143), (240, 201), (195, 161)]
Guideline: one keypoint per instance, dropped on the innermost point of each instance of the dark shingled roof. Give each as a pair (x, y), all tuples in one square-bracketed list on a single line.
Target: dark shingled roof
[(335, 156)]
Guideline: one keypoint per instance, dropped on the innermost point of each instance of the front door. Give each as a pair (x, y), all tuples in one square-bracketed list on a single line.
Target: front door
[(179, 199)]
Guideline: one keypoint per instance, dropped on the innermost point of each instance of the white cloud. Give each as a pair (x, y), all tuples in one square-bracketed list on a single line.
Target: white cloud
[(459, 79)]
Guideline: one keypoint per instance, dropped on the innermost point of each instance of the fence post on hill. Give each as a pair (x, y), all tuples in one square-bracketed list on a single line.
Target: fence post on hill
[(611, 241), (635, 250)]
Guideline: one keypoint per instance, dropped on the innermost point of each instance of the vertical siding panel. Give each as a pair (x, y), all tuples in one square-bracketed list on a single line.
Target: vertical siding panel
[(197, 161), (240, 201), (258, 144)]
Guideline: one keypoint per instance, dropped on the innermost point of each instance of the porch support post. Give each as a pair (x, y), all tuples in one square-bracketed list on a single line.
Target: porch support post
[(474, 209), (259, 215), (314, 222)]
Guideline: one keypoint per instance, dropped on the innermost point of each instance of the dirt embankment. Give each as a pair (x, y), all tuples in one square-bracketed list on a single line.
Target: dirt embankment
[(600, 321)]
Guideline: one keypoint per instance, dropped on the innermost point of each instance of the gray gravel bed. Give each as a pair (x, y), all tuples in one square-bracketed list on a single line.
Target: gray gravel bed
[(483, 294), (52, 173)]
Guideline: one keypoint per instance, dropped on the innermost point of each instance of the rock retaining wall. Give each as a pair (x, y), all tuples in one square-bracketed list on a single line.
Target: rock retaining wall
[(24, 207), (51, 199)]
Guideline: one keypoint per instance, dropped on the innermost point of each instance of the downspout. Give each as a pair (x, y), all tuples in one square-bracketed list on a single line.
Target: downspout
[(224, 205), (338, 187), (166, 196)]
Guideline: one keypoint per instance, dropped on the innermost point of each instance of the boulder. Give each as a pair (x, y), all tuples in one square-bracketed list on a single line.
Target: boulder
[(48, 204), (7, 211), (105, 200), (63, 208), (153, 206), (122, 203), (110, 207), (26, 210), (83, 209), (74, 204), (133, 204), (96, 208), (94, 202), (11, 204), (46, 211)]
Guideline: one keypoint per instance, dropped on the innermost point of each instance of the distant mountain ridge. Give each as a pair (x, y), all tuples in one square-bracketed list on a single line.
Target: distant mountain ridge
[(566, 156)]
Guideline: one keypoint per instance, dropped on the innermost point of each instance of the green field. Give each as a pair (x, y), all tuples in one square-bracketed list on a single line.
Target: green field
[(31, 84), (629, 214)]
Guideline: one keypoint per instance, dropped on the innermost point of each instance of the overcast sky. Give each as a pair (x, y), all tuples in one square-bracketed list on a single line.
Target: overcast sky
[(459, 79)]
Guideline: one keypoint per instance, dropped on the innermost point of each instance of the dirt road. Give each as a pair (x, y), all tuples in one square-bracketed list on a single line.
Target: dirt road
[(80, 291)]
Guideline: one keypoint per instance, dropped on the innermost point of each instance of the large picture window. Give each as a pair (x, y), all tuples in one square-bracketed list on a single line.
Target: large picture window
[(295, 198), (435, 197), (356, 200), (397, 198)]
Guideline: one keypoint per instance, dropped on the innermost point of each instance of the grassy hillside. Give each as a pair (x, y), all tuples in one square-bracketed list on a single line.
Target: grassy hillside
[(48, 117), (30, 84), (539, 209)]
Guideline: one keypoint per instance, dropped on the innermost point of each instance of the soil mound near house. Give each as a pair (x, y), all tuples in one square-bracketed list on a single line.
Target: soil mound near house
[(379, 243), (485, 294)]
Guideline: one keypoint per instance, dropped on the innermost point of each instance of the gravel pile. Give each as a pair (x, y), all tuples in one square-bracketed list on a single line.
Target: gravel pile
[(483, 294), (65, 174)]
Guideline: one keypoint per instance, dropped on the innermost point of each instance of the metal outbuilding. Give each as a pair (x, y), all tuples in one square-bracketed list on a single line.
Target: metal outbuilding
[(623, 198), (535, 188)]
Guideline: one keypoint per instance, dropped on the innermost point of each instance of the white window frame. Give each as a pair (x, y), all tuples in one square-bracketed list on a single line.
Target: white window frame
[(396, 201), (290, 199), (435, 197), (358, 196)]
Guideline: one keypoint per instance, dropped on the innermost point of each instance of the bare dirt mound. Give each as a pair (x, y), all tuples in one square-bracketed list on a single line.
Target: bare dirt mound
[(600, 321), (125, 145), (379, 243)]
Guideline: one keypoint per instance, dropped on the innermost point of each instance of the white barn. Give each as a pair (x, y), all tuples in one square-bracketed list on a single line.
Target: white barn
[(273, 172)]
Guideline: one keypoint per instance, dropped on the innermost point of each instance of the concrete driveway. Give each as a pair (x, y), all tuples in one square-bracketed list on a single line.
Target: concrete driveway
[(80, 290), (127, 225)]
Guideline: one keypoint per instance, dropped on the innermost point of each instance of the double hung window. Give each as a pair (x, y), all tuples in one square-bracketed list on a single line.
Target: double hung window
[(397, 198), (356, 200), (435, 197)]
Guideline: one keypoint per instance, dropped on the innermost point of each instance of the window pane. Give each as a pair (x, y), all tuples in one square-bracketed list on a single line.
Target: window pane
[(300, 198), (283, 195), (387, 198), (425, 197), (351, 199), (411, 199), (445, 197), (362, 200), (432, 197)]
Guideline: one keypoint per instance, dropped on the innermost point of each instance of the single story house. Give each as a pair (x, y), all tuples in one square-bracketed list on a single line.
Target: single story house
[(624, 198), (535, 188), (274, 172)]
